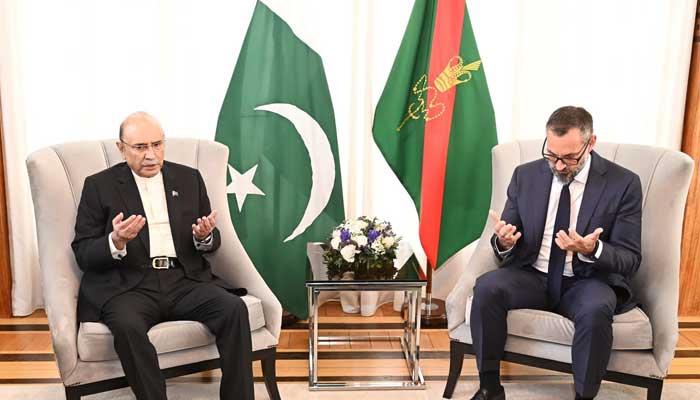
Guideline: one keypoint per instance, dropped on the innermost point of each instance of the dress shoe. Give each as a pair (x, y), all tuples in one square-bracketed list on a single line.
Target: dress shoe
[(485, 394)]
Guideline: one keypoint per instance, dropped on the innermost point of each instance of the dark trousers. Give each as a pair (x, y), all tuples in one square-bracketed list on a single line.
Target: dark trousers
[(166, 295), (589, 303)]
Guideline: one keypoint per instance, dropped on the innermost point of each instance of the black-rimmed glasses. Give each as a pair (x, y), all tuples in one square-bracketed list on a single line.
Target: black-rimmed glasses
[(568, 159)]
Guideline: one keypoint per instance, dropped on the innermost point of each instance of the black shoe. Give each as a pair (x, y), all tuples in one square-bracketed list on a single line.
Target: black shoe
[(485, 394)]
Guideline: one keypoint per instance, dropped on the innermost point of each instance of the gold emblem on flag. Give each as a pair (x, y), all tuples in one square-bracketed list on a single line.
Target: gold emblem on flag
[(426, 104), (449, 77)]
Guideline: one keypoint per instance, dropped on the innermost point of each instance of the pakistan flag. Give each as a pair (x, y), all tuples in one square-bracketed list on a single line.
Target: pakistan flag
[(284, 176)]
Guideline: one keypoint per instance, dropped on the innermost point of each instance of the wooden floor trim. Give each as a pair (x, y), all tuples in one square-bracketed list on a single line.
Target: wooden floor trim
[(372, 352), (303, 326), (12, 357), (21, 328), (322, 355)]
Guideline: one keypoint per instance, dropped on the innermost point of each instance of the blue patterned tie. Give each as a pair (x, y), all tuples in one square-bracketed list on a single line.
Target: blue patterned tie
[(557, 256)]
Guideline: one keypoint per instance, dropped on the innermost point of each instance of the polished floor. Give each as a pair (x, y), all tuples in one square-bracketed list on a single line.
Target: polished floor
[(26, 356)]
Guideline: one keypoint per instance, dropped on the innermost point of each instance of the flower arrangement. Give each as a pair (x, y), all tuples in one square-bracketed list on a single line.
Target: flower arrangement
[(367, 247)]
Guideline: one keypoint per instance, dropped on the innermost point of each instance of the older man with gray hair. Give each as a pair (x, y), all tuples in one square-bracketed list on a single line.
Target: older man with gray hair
[(141, 231)]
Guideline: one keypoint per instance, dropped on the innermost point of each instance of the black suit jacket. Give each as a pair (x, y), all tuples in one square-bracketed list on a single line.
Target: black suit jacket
[(612, 200), (114, 190)]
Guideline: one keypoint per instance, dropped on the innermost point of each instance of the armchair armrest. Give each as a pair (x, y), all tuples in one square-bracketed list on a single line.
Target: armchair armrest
[(231, 263), (483, 260), (60, 274)]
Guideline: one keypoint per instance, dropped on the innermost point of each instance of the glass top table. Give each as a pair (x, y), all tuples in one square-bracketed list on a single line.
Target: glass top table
[(408, 281)]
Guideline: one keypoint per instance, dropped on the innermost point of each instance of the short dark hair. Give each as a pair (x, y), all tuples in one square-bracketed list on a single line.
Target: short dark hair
[(567, 117)]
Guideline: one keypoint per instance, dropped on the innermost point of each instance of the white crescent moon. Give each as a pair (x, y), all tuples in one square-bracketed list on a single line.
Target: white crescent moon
[(321, 156)]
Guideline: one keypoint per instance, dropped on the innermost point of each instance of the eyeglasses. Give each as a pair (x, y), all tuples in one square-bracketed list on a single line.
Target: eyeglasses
[(143, 147), (567, 160)]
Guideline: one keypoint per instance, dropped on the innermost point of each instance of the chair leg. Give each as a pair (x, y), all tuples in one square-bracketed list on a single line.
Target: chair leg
[(72, 394), (456, 360), (270, 375), (654, 390)]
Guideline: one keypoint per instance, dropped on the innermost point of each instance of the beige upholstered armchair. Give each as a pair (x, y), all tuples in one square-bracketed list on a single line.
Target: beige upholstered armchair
[(644, 339), (84, 352)]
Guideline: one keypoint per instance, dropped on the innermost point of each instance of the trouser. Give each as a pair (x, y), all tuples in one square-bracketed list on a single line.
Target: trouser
[(588, 302), (165, 295)]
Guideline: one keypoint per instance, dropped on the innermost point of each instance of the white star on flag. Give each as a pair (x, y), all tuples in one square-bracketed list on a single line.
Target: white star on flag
[(242, 185)]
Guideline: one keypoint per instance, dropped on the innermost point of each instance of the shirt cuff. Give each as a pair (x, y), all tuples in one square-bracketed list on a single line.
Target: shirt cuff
[(597, 254), (501, 253), (116, 253), (205, 244)]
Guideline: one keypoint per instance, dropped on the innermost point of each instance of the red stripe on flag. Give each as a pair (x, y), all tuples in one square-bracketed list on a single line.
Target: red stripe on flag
[(447, 36)]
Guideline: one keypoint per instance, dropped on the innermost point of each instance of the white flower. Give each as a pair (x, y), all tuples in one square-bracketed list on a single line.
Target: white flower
[(378, 248), (335, 242), (348, 253), (358, 225), (388, 241), (382, 226), (336, 233), (361, 240)]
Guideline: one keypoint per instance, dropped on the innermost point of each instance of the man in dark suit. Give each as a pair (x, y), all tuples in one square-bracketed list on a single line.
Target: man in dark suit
[(569, 241), (140, 235)]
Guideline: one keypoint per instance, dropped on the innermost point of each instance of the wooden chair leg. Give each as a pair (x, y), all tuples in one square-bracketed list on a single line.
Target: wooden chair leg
[(270, 375), (654, 390), (456, 360)]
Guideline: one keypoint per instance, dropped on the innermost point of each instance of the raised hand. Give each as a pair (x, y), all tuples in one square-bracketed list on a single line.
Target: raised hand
[(123, 230), (204, 226), (507, 234), (577, 243)]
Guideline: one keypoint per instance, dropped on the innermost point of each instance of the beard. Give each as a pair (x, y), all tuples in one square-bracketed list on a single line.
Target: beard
[(570, 172)]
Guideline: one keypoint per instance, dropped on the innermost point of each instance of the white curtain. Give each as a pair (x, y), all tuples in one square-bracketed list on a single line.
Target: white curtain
[(72, 70)]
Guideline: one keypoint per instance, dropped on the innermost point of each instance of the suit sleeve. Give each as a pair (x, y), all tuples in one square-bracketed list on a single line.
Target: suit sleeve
[(90, 244), (205, 209), (622, 250), (510, 215)]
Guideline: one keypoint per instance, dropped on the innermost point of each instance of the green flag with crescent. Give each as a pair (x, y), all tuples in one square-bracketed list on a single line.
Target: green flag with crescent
[(284, 175)]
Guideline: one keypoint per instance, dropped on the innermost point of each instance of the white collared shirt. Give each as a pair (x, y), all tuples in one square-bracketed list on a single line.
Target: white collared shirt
[(160, 236)]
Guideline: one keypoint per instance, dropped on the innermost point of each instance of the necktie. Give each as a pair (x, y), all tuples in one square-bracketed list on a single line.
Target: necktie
[(557, 256)]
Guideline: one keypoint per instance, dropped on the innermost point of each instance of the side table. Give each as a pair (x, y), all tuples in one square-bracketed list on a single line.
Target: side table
[(409, 339)]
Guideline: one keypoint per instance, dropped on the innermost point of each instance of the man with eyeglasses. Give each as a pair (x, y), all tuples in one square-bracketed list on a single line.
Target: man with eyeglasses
[(569, 240), (140, 234)]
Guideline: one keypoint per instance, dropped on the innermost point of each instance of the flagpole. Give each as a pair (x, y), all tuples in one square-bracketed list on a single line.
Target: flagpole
[(432, 310)]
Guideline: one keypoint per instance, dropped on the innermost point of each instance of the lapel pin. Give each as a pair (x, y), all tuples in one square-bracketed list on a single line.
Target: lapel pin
[(175, 194)]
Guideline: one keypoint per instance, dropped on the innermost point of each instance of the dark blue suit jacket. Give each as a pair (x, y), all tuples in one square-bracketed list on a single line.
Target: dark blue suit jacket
[(612, 200)]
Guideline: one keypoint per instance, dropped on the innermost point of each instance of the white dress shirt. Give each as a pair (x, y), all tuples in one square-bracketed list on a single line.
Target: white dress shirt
[(152, 192)]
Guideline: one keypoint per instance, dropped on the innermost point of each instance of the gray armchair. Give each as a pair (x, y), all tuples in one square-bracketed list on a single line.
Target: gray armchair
[(644, 338), (84, 352)]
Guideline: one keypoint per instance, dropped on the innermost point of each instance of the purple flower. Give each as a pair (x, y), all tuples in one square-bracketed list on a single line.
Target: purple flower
[(345, 235), (372, 235)]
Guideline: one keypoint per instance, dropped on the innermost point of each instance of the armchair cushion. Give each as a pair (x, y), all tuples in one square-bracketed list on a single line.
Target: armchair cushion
[(95, 342), (631, 330)]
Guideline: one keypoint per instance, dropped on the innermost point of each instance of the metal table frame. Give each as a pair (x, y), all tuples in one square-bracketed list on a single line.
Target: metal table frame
[(410, 340)]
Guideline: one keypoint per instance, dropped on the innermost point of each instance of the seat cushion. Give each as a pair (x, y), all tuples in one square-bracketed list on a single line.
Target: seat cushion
[(95, 342), (631, 330)]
